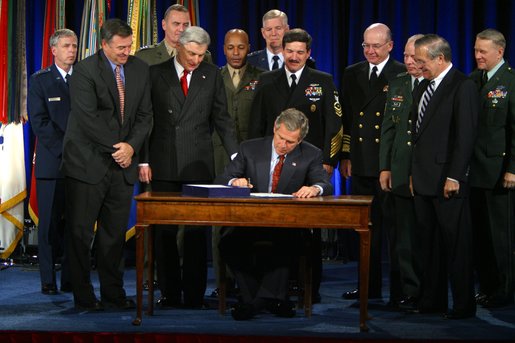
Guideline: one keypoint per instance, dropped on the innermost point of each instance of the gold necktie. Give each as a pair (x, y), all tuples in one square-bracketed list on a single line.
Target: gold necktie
[(121, 90), (236, 78)]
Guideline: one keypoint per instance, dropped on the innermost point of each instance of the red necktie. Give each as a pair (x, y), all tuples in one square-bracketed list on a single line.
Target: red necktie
[(277, 173), (184, 82), (121, 90)]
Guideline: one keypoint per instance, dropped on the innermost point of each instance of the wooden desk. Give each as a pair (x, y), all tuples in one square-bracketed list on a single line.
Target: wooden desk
[(331, 212)]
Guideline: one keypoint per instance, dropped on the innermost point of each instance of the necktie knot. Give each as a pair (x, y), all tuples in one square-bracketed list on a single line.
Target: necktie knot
[(275, 65)]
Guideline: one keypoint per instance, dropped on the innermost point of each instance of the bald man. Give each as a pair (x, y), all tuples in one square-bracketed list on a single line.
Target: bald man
[(364, 88)]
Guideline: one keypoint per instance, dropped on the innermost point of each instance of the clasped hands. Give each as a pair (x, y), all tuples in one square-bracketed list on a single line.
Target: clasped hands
[(303, 192), (123, 154)]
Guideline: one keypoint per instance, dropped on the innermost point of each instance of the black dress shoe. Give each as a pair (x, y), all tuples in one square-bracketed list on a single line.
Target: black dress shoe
[(351, 295), (242, 311), (453, 314), (408, 303), (121, 304), (480, 298), (282, 308), (167, 302), (90, 307), (49, 289)]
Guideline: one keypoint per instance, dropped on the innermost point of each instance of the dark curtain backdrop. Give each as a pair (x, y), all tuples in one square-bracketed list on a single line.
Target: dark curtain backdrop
[(336, 25)]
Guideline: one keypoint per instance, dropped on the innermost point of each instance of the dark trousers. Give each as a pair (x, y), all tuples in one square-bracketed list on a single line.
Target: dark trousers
[(446, 236), (51, 230), (493, 223), (190, 278), (405, 256), (260, 259), (108, 204), (382, 218)]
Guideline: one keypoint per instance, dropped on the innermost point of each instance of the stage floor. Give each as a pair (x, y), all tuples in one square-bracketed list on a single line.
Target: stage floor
[(24, 308)]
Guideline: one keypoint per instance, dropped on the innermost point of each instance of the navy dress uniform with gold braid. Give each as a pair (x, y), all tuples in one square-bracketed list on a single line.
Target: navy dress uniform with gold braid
[(493, 206), (395, 156), (363, 107)]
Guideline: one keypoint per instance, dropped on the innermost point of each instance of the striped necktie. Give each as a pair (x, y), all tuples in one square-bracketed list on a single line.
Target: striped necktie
[(426, 97), (121, 90)]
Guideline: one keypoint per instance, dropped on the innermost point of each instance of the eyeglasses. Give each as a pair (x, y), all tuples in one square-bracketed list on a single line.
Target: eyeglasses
[(373, 46)]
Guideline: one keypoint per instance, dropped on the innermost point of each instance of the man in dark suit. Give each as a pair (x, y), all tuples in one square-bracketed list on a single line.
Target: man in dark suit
[(444, 118), (364, 88), (175, 20), (313, 93), (275, 24), (111, 114), (395, 166), (260, 258), (49, 107), (188, 100), (492, 172)]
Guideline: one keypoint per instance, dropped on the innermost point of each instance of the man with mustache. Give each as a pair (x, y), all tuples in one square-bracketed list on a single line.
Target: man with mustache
[(313, 93)]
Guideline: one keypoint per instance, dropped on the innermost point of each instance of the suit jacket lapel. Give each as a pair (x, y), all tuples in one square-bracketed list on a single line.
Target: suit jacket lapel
[(196, 84), (106, 73), (289, 167), (263, 165), (169, 75), (302, 84), (435, 100)]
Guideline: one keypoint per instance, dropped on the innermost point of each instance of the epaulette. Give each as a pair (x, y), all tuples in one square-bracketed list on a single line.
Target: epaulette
[(43, 71), (404, 73), (146, 47), (254, 53)]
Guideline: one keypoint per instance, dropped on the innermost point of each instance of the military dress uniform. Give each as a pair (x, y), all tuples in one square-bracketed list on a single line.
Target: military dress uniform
[(158, 53), (363, 105), (395, 156), (492, 204)]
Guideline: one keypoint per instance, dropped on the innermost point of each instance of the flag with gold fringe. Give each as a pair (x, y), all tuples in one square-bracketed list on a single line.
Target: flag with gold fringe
[(93, 16), (13, 113), (54, 20), (142, 18)]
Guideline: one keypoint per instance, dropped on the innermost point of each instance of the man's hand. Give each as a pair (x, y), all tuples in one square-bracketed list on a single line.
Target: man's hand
[(346, 168), (451, 188), (307, 192), (123, 154), (509, 180), (385, 179), (242, 182), (329, 169), (145, 174)]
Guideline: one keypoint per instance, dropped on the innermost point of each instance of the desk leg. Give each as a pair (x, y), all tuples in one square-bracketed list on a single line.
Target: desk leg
[(140, 259), (150, 276), (364, 251)]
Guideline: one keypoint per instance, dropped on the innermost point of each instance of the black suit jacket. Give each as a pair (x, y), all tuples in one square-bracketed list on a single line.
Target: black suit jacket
[(443, 145), (363, 109), (181, 147), (95, 126), (302, 167), (259, 59), (49, 108), (315, 95)]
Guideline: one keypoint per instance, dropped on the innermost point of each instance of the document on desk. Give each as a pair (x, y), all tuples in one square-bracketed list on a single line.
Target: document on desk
[(271, 195)]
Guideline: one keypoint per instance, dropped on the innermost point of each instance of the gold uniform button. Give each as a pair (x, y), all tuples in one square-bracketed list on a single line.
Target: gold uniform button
[(409, 121), (378, 114), (360, 126), (360, 139), (377, 127), (377, 140), (503, 154), (361, 113), (409, 143), (409, 132)]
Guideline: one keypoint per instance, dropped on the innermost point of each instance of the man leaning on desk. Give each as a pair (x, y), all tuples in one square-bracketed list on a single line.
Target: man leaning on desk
[(260, 258)]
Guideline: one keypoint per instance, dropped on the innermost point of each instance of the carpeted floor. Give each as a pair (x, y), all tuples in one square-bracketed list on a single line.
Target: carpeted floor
[(24, 308)]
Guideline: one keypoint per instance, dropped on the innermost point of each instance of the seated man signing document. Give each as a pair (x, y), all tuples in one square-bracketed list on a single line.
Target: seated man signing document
[(260, 258)]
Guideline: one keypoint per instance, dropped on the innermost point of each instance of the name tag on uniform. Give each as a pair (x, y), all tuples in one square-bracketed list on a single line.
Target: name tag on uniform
[(57, 98)]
